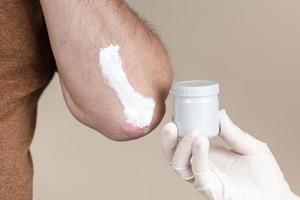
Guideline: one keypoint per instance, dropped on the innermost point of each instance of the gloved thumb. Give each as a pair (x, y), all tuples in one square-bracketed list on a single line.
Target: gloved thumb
[(240, 141)]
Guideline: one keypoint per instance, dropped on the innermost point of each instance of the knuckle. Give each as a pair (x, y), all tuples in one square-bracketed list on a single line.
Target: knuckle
[(170, 127), (201, 182), (264, 146), (190, 137), (200, 143), (197, 145), (179, 168), (261, 147), (184, 173), (175, 165)]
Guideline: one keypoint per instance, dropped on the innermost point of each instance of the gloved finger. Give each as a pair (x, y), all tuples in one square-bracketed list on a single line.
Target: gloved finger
[(169, 140), (181, 162), (206, 181), (200, 163), (240, 141)]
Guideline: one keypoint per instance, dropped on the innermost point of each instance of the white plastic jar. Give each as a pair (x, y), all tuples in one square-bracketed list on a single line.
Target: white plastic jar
[(196, 107)]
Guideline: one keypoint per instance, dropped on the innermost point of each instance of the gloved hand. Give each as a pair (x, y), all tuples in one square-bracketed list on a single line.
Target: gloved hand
[(246, 172)]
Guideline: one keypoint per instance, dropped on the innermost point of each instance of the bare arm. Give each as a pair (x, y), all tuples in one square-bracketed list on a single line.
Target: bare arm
[(77, 30)]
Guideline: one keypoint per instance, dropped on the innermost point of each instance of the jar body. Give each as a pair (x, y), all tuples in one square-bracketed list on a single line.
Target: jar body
[(197, 113)]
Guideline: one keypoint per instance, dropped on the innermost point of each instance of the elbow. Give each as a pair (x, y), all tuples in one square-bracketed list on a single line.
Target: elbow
[(118, 129), (124, 131), (157, 88), (154, 81), (110, 121)]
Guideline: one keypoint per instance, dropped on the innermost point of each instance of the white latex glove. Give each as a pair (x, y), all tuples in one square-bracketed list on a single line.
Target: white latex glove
[(246, 172)]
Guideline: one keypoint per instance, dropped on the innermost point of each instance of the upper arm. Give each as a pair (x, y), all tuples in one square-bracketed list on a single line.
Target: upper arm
[(77, 30)]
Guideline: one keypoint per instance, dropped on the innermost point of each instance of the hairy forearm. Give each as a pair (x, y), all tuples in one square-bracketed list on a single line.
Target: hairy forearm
[(86, 26), (77, 30), (95, 24)]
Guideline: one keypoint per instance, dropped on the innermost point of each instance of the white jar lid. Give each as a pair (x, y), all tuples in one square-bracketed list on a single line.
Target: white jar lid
[(196, 88)]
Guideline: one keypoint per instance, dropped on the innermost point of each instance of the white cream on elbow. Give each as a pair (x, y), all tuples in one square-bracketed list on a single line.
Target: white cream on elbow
[(138, 110)]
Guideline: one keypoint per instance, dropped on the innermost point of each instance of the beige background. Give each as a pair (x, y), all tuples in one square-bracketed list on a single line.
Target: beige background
[(251, 47)]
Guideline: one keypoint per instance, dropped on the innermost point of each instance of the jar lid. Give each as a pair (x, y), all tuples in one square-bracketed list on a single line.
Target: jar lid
[(196, 88)]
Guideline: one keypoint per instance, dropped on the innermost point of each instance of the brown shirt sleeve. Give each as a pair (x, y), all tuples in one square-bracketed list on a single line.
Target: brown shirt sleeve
[(26, 67)]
